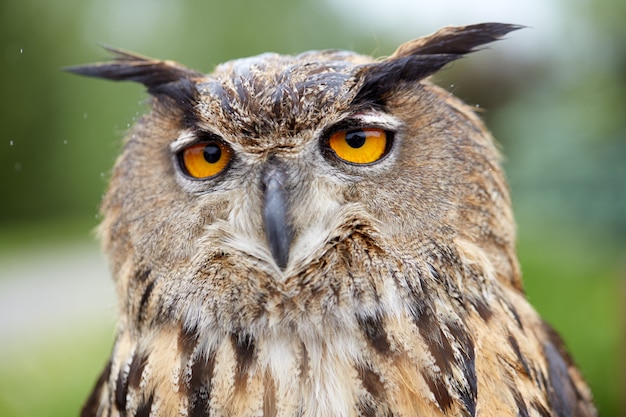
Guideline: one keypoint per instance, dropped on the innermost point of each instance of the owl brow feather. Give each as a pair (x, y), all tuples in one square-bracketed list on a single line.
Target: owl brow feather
[(417, 59)]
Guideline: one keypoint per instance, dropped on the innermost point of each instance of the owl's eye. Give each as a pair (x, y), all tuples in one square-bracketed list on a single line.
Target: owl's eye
[(206, 159), (360, 146)]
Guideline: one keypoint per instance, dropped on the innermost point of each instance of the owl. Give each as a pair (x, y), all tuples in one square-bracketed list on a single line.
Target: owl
[(319, 235)]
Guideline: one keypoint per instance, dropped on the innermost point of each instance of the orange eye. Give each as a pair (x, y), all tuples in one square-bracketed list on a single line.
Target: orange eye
[(360, 146), (206, 159)]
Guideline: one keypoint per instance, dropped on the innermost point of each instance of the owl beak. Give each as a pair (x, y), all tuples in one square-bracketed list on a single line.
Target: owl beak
[(276, 212)]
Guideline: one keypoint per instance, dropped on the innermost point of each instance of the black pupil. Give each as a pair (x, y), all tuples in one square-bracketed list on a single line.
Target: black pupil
[(355, 139), (212, 153)]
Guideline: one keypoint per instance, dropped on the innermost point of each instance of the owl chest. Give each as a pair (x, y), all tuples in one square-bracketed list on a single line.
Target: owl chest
[(342, 374)]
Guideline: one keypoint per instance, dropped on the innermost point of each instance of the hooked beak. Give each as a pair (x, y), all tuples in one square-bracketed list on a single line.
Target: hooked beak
[(275, 213)]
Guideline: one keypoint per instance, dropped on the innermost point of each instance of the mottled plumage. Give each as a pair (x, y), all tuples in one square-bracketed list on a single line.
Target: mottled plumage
[(293, 280)]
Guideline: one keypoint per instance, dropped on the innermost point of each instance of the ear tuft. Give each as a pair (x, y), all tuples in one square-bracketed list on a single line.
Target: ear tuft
[(165, 79), (455, 40), (417, 59), (150, 72)]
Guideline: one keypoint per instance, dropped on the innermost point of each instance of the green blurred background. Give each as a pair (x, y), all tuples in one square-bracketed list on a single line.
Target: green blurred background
[(554, 95)]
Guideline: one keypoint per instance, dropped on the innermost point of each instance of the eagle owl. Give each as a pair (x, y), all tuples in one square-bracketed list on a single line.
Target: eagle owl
[(319, 235)]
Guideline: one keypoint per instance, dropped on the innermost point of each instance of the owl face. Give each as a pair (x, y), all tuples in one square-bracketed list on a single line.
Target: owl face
[(285, 161), (286, 165), (274, 157)]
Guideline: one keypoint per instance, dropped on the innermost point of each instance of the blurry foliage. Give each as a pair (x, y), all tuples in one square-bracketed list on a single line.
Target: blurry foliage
[(560, 121)]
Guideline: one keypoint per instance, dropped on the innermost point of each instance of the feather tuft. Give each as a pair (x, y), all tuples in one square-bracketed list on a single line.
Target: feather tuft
[(417, 59)]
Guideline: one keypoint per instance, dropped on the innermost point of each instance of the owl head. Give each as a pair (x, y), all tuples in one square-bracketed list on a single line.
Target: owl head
[(284, 180)]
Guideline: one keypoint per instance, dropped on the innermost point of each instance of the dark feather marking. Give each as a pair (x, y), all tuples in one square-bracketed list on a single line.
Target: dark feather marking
[(374, 330), (413, 62), (564, 397), (438, 387), (283, 94), (518, 353), (516, 317), (384, 77), (200, 386), (444, 355), (433, 271), (244, 353), (216, 91), (91, 406), (145, 408), (539, 408), (438, 344), (136, 369), (468, 388), (121, 390), (558, 343), (522, 409), (561, 393), (240, 89), (371, 381), (366, 409), (376, 403), (144, 300), (187, 341), (540, 380), (482, 308), (142, 274), (559, 364), (509, 307), (183, 94)]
